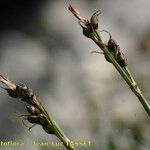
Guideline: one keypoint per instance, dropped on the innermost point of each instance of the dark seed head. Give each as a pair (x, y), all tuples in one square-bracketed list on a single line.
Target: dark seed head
[(20, 89), (33, 110), (42, 119), (49, 130), (33, 119), (39, 119), (88, 32), (121, 59), (24, 92), (11, 92), (113, 46)]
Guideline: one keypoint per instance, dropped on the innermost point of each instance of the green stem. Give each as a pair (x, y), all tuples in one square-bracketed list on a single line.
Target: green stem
[(124, 72), (142, 99), (126, 69), (58, 132)]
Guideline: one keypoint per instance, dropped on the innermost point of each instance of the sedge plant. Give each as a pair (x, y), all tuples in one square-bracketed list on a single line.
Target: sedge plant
[(37, 113), (111, 51)]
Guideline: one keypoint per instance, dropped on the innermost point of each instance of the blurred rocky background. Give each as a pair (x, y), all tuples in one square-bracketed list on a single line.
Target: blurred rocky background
[(41, 45)]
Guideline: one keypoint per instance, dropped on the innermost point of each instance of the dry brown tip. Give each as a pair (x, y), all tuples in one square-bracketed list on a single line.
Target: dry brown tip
[(76, 13), (9, 84), (73, 9)]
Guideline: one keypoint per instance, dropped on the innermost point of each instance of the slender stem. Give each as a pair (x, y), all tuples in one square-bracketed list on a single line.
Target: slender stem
[(57, 130), (129, 73), (124, 72), (142, 99), (60, 134)]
